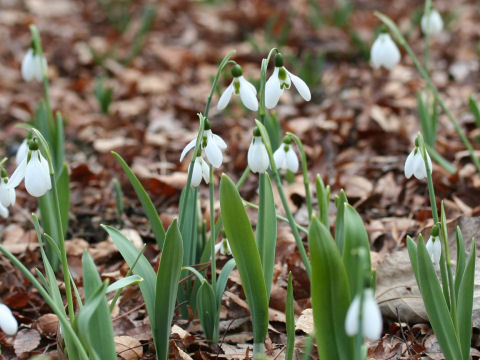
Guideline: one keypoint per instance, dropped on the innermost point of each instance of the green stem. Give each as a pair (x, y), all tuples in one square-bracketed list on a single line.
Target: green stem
[(213, 233), (426, 11), (401, 40)]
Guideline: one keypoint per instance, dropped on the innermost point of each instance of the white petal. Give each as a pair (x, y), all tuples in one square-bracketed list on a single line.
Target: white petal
[(225, 98), (187, 148), (432, 24), (273, 91), (218, 246), (8, 323), (429, 163), (247, 83), (18, 174), (384, 52), (279, 156), (249, 97), (27, 66), (409, 164), (214, 154), (37, 68), (258, 160), (372, 323), (37, 177), (3, 211), (22, 152), (205, 171), (292, 160), (351, 320), (219, 141), (196, 172), (419, 169), (301, 86), (7, 194), (434, 249)]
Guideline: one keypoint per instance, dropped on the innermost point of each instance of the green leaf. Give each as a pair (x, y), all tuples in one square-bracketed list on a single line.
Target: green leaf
[(99, 329), (340, 200), (207, 311), (58, 150), (142, 268), (323, 198), (436, 306), (356, 250), (267, 230), (63, 191), (473, 105), (465, 304), (330, 295), (124, 282), (412, 253), (145, 200), (166, 288), (240, 236), (223, 278), (290, 315), (461, 260), (424, 117)]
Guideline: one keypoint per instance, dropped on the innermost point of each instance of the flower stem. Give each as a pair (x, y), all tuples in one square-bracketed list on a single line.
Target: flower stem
[(213, 233)]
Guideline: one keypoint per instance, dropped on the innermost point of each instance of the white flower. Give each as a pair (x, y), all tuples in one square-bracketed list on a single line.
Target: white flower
[(371, 318), (239, 86), (34, 168), (434, 249), (32, 66), (213, 146), (280, 80), (22, 151), (285, 158), (224, 247), (258, 159), (414, 165), (384, 52), (8, 323), (200, 169), (432, 23), (7, 194)]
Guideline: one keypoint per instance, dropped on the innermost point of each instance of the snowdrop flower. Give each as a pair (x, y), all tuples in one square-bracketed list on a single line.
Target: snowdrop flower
[(8, 323), (7, 194), (370, 317), (285, 158), (432, 23), (32, 66), (200, 170), (434, 246), (239, 86), (211, 143), (384, 52), (414, 165), (34, 168), (224, 247), (280, 80), (22, 151), (258, 159)]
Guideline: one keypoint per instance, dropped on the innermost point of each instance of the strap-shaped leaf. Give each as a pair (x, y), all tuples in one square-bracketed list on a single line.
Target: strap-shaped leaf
[(290, 315), (240, 235), (166, 288), (223, 278), (435, 304), (207, 310), (124, 282), (340, 200), (145, 200), (323, 198), (461, 261), (330, 295)]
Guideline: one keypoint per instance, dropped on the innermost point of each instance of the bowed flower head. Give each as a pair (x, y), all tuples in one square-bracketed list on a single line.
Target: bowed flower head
[(8, 323), (280, 80), (32, 66), (34, 168), (200, 170), (211, 143), (258, 159), (7, 193), (384, 52), (434, 246), (370, 319), (239, 86), (432, 23), (414, 165), (284, 157)]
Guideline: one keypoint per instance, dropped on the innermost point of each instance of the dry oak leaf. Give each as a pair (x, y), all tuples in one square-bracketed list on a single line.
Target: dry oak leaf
[(25, 341), (128, 348)]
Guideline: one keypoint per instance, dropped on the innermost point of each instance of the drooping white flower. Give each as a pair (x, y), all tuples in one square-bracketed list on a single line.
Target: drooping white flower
[(285, 158), (7, 194), (200, 170), (434, 249), (34, 168), (280, 80), (432, 23), (212, 144), (414, 165), (258, 159), (224, 247), (32, 66), (8, 323), (239, 86), (22, 151), (384, 52), (369, 321)]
